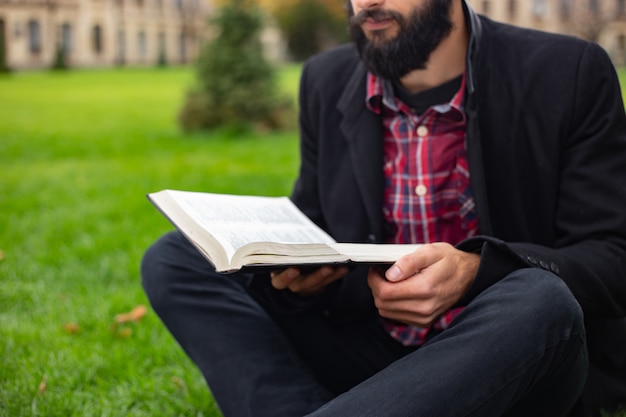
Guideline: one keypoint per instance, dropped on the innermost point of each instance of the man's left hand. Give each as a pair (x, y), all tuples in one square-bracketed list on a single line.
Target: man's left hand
[(423, 285)]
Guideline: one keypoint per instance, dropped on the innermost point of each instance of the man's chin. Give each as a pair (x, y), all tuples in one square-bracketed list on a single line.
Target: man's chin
[(381, 37)]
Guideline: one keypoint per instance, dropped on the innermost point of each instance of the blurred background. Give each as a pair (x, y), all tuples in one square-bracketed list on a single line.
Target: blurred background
[(96, 33), (104, 101)]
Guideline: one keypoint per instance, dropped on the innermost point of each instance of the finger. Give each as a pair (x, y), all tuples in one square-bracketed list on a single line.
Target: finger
[(379, 284), (410, 318), (318, 280), (413, 263), (313, 282), (283, 279), (411, 289), (338, 272), (427, 308), (374, 276)]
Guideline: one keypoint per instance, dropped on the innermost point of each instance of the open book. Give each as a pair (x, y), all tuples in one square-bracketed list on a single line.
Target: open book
[(235, 231)]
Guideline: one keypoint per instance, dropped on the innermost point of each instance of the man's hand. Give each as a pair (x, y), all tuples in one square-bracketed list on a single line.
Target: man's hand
[(421, 286), (307, 283)]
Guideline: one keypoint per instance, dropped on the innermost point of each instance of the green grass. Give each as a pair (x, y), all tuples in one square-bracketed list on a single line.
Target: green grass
[(78, 152)]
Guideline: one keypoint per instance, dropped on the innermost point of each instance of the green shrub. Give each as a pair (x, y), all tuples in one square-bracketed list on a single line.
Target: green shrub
[(3, 55), (235, 83), (60, 61), (310, 26)]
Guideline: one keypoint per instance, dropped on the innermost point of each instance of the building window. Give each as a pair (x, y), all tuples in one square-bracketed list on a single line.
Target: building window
[(512, 9), (97, 39), (565, 9), (594, 8), (66, 38), (539, 9), (162, 58), (121, 47), (486, 7), (161, 41), (182, 47), (34, 37), (3, 47), (141, 44), (621, 7)]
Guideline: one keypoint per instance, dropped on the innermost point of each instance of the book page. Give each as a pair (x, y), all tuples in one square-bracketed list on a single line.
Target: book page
[(374, 253), (312, 254), (238, 220)]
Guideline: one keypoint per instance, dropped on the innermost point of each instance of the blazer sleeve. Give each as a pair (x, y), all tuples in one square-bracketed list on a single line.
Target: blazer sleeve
[(305, 193), (589, 251)]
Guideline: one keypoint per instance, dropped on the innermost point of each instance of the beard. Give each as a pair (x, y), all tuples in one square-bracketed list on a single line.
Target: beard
[(418, 36)]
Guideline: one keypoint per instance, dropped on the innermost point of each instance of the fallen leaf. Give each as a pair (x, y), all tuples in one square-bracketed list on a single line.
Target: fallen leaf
[(138, 312), (43, 385), (135, 315), (1, 255), (124, 333), (71, 328), (180, 384)]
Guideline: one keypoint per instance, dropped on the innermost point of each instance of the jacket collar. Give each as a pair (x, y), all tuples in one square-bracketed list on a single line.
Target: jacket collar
[(476, 33), (362, 130)]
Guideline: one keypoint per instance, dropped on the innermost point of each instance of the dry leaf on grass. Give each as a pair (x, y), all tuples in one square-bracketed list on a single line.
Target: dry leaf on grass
[(120, 328), (135, 314), (1, 255), (43, 385), (124, 333), (179, 383), (71, 328)]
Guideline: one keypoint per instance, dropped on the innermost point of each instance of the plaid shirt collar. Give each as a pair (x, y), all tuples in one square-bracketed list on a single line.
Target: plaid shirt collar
[(380, 93)]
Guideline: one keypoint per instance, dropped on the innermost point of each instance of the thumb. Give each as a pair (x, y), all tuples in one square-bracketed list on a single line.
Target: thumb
[(413, 263), (394, 273)]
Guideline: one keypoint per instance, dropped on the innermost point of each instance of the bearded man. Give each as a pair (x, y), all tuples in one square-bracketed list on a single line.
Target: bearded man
[(501, 150)]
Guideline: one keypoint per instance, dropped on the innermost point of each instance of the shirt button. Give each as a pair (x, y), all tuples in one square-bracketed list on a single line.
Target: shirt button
[(422, 131), (421, 190)]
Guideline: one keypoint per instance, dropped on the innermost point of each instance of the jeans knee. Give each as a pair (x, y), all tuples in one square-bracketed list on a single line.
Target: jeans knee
[(156, 270), (548, 300), (150, 277)]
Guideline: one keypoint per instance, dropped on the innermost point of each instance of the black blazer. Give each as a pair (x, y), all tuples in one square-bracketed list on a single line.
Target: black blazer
[(547, 152)]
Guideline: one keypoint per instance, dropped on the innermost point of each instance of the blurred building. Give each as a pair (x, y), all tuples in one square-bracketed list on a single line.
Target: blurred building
[(96, 33), (90, 33), (601, 21)]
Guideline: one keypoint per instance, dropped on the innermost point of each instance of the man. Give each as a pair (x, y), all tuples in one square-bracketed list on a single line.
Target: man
[(499, 148)]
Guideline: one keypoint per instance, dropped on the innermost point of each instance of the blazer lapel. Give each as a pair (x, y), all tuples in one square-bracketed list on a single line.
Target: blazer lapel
[(363, 132)]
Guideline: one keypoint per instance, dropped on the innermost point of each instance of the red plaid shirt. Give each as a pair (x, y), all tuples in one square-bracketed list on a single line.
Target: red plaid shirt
[(427, 197)]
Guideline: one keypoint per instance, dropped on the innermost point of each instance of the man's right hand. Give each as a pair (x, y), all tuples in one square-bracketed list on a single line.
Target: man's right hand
[(307, 283)]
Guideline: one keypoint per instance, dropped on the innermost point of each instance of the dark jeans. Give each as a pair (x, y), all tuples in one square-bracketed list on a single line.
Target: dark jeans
[(518, 349)]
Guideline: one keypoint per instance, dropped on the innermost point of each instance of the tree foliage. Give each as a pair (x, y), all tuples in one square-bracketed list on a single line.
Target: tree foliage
[(60, 59), (235, 82), (310, 26), (3, 54)]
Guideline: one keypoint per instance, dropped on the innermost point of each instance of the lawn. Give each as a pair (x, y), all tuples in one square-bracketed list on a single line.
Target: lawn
[(79, 151)]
